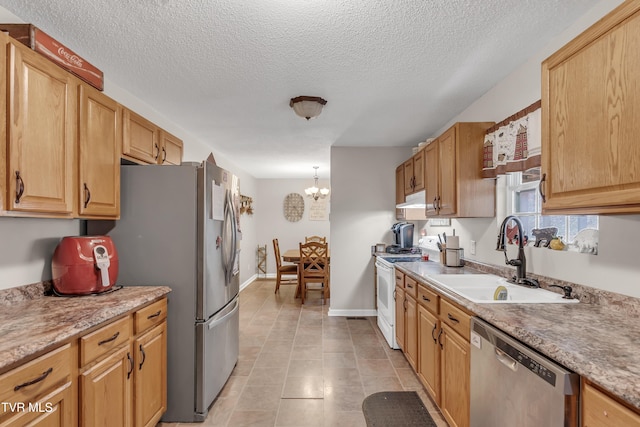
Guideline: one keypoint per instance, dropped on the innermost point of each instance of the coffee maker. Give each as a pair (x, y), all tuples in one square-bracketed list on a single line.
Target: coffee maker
[(403, 236)]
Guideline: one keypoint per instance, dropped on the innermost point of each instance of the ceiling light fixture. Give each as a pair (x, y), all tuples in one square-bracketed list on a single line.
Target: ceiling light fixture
[(307, 106), (316, 192)]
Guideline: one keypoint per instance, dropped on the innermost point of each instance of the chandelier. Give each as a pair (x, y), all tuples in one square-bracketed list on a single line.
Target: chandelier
[(316, 192)]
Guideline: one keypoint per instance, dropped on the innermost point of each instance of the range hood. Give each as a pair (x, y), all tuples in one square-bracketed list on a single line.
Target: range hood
[(415, 200)]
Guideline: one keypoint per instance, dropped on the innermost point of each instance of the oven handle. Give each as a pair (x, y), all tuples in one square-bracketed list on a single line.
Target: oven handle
[(383, 267)]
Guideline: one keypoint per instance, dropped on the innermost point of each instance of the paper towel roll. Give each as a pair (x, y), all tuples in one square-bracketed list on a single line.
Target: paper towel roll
[(453, 242)]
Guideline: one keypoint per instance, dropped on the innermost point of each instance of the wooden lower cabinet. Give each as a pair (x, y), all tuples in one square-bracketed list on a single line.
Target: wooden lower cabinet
[(434, 333), (399, 300), (599, 409), (55, 409), (41, 392), (454, 374), (429, 352), (411, 330), (150, 379), (105, 391)]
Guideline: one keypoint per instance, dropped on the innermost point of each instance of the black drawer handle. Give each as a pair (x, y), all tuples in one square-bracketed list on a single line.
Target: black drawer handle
[(158, 154), (19, 187), (144, 356), (164, 155), (435, 326), (87, 197), (156, 314), (109, 339), (453, 319), (44, 375), (130, 365), (439, 341), (426, 299)]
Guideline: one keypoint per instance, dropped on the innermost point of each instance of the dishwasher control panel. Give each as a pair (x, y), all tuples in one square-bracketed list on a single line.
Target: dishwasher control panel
[(526, 361)]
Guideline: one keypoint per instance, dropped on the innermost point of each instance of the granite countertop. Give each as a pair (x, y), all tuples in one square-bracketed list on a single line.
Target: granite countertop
[(597, 342), (31, 324)]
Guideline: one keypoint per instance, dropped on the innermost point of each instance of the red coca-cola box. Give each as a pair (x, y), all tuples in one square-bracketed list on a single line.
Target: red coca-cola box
[(44, 44)]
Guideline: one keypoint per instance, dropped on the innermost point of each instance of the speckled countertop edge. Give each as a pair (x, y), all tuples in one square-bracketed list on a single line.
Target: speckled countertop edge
[(31, 323), (598, 342)]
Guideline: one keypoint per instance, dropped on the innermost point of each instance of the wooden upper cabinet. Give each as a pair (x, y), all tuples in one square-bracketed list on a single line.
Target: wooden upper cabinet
[(140, 138), (590, 126), (414, 173), (454, 184), (400, 184), (99, 144), (171, 148), (41, 134)]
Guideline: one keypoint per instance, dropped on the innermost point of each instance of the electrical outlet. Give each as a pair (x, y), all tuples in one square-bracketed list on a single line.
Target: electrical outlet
[(473, 247)]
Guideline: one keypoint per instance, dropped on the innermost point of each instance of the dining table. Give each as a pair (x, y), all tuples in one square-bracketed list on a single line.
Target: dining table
[(293, 255)]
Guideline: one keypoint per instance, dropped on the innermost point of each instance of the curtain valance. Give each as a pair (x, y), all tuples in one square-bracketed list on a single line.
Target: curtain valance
[(513, 144)]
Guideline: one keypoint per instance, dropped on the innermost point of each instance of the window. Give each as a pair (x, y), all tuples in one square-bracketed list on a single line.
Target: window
[(524, 201)]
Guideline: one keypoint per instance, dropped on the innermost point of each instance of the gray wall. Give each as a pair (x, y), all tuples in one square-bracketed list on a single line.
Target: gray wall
[(363, 210)]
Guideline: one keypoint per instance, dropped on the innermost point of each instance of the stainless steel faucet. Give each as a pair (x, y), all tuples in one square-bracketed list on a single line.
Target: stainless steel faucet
[(521, 262)]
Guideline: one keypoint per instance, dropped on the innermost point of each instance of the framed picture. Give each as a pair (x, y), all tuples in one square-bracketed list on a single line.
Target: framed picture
[(440, 222)]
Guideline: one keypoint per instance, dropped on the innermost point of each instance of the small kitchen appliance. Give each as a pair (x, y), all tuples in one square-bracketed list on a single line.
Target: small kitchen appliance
[(84, 265), (403, 234)]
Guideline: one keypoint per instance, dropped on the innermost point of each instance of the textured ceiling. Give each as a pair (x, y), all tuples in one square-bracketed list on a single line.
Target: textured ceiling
[(393, 71)]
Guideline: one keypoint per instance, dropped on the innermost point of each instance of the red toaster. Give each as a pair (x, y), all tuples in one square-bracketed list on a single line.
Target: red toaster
[(83, 265)]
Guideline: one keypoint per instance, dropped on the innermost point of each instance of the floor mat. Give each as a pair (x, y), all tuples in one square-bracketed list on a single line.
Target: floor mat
[(396, 408)]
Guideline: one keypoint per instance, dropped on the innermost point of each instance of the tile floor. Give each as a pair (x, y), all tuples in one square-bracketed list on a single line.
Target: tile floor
[(300, 367)]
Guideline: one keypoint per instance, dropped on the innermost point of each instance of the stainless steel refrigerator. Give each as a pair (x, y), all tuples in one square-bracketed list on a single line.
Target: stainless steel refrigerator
[(179, 228)]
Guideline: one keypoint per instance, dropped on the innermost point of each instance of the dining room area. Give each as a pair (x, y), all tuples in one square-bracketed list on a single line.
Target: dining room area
[(306, 267)]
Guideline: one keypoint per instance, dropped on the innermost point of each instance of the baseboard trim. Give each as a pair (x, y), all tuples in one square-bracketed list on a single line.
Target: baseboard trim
[(352, 313), (248, 282)]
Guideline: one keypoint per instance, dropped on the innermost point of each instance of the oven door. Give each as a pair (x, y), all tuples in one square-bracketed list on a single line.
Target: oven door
[(385, 286)]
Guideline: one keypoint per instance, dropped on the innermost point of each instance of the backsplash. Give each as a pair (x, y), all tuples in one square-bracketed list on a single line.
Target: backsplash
[(627, 305)]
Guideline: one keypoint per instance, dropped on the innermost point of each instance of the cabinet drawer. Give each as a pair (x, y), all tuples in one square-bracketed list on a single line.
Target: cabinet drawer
[(457, 319), (104, 340), (598, 409), (150, 315), (399, 279), (25, 383), (411, 286), (428, 299)]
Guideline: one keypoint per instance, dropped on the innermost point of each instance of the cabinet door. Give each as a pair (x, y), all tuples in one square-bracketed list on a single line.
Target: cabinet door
[(42, 120), (55, 409), (598, 409), (454, 374), (400, 184), (171, 149), (429, 352), (408, 177), (150, 389), (99, 144), (400, 308), (418, 171), (447, 165), (411, 330), (105, 391), (432, 175), (590, 125), (140, 139)]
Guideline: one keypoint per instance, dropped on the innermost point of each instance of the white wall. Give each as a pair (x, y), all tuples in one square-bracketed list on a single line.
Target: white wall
[(27, 244), (615, 268), (271, 223), (363, 210)]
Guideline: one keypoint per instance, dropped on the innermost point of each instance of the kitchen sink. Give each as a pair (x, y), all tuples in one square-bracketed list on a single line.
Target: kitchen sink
[(480, 288)]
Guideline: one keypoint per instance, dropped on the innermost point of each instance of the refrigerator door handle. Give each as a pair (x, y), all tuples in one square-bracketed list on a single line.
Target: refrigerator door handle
[(218, 320), (229, 256)]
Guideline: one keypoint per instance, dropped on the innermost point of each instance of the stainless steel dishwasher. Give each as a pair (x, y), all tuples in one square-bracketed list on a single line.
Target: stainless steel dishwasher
[(513, 385)]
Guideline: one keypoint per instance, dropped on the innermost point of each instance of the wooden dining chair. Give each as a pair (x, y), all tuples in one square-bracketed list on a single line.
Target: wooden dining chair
[(314, 268), (315, 239), (287, 270)]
